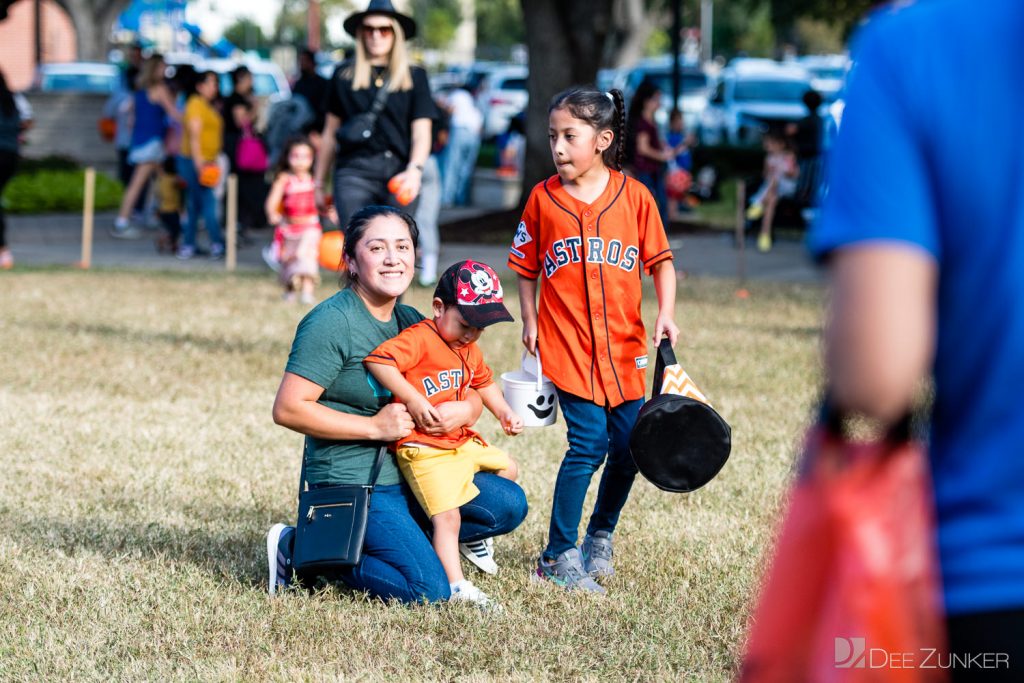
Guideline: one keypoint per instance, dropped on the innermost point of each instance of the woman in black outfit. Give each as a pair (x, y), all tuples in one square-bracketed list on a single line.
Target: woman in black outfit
[(240, 113), (400, 141)]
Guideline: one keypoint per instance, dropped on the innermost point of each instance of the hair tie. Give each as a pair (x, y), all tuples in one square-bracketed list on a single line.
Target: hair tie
[(610, 97)]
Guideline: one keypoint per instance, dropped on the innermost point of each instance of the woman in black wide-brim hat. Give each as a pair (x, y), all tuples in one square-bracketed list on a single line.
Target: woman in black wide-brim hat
[(399, 140)]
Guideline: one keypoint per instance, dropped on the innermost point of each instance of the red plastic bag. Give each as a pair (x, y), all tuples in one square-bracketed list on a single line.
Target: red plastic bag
[(853, 592)]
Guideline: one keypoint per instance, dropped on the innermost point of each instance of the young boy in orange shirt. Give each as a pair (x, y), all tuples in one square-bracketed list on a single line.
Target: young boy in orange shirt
[(435, 361)]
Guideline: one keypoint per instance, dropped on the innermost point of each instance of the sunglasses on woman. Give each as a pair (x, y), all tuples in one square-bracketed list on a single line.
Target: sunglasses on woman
[(384, 31)]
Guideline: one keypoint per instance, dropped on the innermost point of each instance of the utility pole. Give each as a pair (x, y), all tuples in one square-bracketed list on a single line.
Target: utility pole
[(707, 20), (313, 26), (677, 47), (38, 29)]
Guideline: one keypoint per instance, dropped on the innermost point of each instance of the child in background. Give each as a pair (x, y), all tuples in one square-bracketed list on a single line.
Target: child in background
[(588, 233), (432, 362), (292, 208), (169, 187), (678, 180), (780, 174), (680, 141)]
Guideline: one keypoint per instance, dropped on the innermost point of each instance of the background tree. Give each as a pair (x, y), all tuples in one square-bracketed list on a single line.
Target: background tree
[(291, 25), (566, 42), (842, 14), (436, 20), (499, 25), (634, 22), (246, 34), (92, 20)]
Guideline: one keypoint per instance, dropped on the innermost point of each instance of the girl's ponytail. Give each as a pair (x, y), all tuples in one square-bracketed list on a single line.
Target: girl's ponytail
[(619, 145)]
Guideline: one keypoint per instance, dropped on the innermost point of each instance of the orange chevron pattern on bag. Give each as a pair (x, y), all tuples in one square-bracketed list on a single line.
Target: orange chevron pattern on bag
[(676, 381)]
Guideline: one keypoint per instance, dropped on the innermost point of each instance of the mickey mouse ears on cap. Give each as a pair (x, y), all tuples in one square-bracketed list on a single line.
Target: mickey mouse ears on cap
[(354, 21), (474, 287)]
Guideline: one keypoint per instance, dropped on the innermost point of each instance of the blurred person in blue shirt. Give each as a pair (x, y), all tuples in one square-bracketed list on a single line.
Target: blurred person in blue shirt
[(923, 229)]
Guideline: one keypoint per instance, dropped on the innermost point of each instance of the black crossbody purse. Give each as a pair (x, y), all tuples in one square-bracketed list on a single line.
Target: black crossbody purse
[(357, 130), (332, 520)]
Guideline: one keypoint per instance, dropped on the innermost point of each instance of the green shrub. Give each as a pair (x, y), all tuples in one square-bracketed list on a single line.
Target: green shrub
[(52, 162), (488, 157), (47, 191)]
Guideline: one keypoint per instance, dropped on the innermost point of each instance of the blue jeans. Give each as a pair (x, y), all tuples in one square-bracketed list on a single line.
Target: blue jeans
[(398, 560), (594, 432), (200, 201), (427, 210), (361, 181), (461, 153), (655, 182)]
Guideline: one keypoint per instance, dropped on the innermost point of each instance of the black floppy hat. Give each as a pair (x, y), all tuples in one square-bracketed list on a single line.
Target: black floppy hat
[(384, 7)]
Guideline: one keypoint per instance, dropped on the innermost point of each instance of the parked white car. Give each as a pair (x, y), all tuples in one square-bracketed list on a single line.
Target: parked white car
[(828, 74), (501, 96), (95, 77), (751, 95)]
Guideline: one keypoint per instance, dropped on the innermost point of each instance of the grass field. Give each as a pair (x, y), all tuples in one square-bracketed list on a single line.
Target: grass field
[(140, 471)]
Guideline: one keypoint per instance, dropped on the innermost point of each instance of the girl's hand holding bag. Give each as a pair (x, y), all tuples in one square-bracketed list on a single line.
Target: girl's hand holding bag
[(854, 580)]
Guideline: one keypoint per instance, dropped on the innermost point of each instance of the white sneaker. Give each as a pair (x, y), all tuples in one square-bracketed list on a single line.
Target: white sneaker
[(481, 554), (465, 591), (278, 561), (270, 258), (428, 270)]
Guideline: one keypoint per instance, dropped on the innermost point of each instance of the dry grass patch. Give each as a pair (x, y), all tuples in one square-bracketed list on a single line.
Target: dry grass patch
[(141, 470)]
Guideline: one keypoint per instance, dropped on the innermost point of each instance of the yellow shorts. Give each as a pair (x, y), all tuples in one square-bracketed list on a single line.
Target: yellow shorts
[(442, 478)]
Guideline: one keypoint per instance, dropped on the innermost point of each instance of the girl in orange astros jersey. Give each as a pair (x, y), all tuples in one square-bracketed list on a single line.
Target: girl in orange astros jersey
[(589, 232)]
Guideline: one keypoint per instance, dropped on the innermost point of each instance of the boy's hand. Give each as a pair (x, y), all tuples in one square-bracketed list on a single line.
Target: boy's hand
[(425, 415), (665, 327), (511, 423), (530, 335)]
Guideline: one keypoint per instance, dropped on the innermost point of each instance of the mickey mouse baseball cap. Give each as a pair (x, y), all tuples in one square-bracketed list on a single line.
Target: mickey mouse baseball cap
[(474, 287)]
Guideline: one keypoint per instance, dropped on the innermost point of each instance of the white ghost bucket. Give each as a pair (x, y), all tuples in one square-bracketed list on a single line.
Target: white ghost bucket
[(530, 393)]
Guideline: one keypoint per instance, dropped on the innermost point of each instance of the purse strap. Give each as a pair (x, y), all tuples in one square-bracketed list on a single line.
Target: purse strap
[(666, 357), (379, 99), (378, 464)]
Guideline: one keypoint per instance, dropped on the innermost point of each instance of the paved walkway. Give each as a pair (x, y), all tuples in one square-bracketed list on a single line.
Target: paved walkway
[(55, 239)]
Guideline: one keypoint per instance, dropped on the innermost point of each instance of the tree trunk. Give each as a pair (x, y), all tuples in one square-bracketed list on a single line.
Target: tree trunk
[(634, 24), (92, 20), (565, 40)]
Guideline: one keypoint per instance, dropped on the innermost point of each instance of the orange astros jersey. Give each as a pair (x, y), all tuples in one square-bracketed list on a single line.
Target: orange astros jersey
[(438, 371), (591, 258)]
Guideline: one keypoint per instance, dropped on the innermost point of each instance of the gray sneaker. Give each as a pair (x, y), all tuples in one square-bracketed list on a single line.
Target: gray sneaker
[(567, 571), (597, 554)]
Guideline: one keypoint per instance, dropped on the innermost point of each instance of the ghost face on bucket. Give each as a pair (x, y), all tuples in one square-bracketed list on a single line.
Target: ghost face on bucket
[(540, 411)]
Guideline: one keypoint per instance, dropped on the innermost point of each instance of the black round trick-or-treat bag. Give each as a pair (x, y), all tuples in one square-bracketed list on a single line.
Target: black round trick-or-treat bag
[(678, 443)]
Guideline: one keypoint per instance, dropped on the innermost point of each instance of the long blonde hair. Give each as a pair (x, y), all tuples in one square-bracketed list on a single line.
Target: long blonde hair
[(150, 74), (398, 62)]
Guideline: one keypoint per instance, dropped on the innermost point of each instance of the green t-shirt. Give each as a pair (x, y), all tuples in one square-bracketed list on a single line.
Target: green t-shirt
[(330, 345)]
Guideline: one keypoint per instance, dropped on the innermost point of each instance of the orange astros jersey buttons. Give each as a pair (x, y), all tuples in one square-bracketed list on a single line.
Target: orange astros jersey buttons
[(591, 259)]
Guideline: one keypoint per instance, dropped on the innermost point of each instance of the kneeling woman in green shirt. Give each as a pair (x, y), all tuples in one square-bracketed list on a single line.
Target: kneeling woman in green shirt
[(325, 394)]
